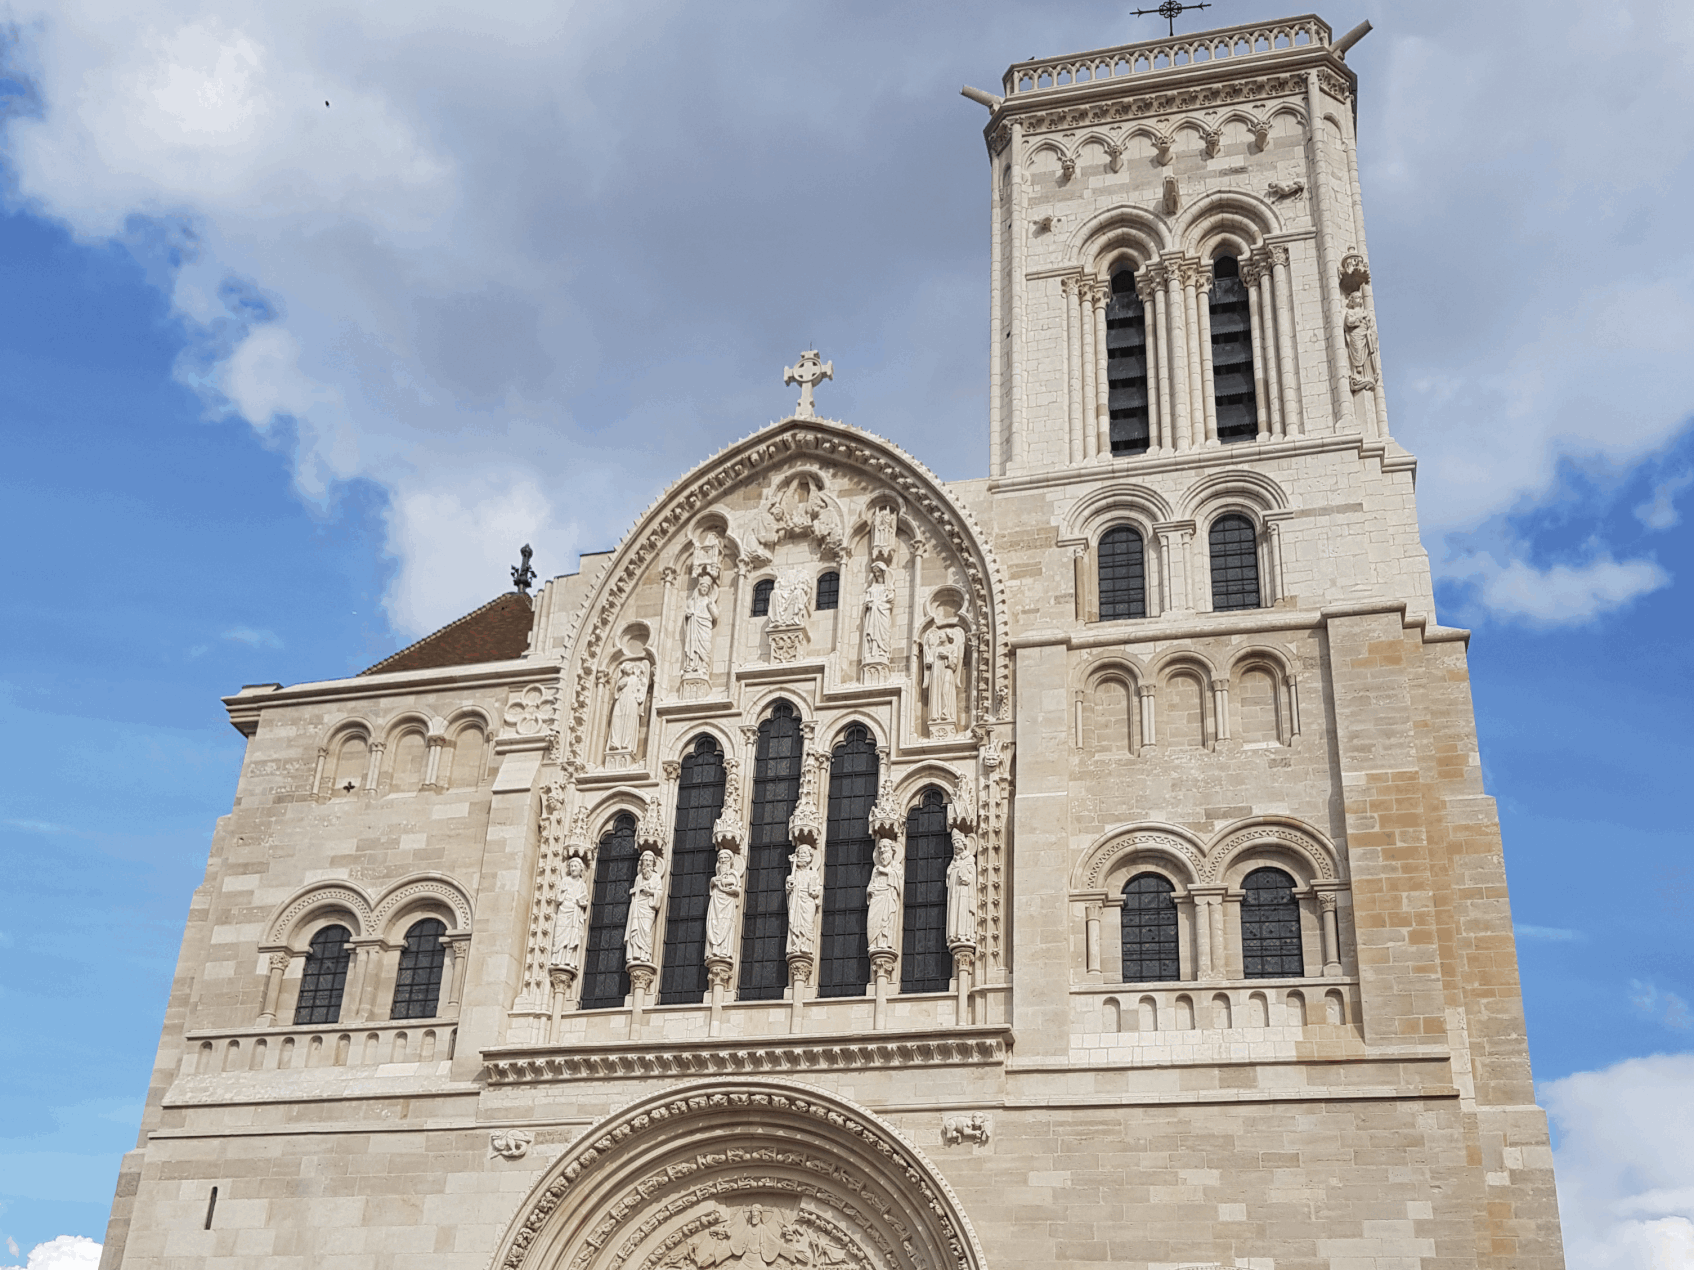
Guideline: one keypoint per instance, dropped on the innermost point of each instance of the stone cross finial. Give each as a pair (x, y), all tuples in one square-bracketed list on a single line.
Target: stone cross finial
[(809, 373)]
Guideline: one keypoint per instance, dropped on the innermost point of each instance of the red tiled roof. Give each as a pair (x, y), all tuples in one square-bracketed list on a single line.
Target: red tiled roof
[(496, 631)]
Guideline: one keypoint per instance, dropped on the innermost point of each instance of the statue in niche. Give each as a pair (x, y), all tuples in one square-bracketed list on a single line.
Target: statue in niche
[(805, 889), (572, 916), (791, 598), (961, 892), (708, 554), (698, 620), (644, 899), (943, 656), (884, 523), (628, 698), (721, 927), (879, 615), (882, 900), (1361, 343)]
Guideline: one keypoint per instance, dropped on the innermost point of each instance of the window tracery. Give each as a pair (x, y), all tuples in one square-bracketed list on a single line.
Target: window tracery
[(605, 981), (699, 802), (844, 967), (776, 788), (925, 962)]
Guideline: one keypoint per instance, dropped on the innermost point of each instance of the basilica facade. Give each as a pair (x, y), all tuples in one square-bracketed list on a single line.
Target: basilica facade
[(1088, 863)]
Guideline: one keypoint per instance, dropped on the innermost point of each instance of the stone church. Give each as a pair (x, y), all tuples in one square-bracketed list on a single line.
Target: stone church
[(1084, 864)]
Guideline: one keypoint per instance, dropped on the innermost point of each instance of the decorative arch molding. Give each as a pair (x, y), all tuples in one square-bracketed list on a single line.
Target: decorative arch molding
[(429, 886), (1112, 665), (353, 725), (686, 1167), (1256, 656), (944, 776), (1221, 208), (1226, 491), (468, 714), (839, 723), (1106, 234), (683, 743), (408, 721), (606, 808), (1093, 513), (1279, 831), (311, 900), (1169, 842), (1205, 862), (1179, 660)]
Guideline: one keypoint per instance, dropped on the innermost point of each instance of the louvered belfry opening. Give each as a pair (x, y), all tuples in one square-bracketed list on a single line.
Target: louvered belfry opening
[(764, 922), (925, 963), (1232, 354), (1235, 563), (1270, 927), (605, 982), (844, 964), (699, 800), (1126, 366), (1123, 574), (417, 984), (324, 978), (1149, 930)]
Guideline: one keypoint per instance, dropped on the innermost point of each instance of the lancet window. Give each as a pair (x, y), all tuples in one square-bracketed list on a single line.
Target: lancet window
[(325, 976), (925, 964), (829, 591), (1235, 564), (1126, 366), (1270, 927), (1232, 354), (417, 985), (764, 923), (1123, 574), (1149, 930), (699, 800), (762, 596), (844, 967), (605, 982)]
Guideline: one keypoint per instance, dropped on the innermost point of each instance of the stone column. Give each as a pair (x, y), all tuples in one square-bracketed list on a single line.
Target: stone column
[(1203, 938), (273, 988), (561, 982), (318, 772), (458, 949), (1149, 325), (1019, 227), (1293, 706), (1092, 953), (663, 640), (964, 977), (1149, 729), (1256, 280), (720, 972), (1082, 320), (1177, 359), (1328, 906), (1158, 329), (1191, 335), (1329, 279), (1208, 386), (1293, 409), (641, 977), (432, 767), (738, 602), (373, 768), (1220, 707), (1071, 289), (800, 966), (1102, 372), (883, 969)]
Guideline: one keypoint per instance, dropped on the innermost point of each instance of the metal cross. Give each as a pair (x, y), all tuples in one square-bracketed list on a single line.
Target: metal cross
[(809, 373), (1168, 10), (522, 575)]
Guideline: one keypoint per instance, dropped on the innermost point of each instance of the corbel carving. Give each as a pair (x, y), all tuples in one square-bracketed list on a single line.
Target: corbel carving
[(1279, 192)]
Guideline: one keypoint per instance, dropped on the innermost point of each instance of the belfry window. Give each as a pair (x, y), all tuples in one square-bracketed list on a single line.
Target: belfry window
[(829, 591), (1270, 927), (605, 982), (699, 799), (1149, 930), (925, 964), (1123, 574), (1126, 366), (417, 986), (844, 964), (1232, 354), (1235, 564), (764, 920), (325, 976), (762, 597)]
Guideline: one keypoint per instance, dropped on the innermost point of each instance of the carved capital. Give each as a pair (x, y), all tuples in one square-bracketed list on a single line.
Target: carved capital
[(280, 960), (719, 971), (800, 965), (883, 964), (671, 769), (641, 976)]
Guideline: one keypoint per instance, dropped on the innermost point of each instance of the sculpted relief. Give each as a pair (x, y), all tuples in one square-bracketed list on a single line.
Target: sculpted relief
[(758, 1236)]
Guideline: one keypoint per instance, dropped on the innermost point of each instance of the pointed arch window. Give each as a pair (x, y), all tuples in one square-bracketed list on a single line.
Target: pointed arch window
[(1123, 574), (844, 964), (762, 596), (764, 917), (1270, 927), (925, 964), (1149, 930), (605, 982), (417, 985), (1232, 353), (829, 591), (325, 976), (1235, 564), (1126, 366), (699, 800)]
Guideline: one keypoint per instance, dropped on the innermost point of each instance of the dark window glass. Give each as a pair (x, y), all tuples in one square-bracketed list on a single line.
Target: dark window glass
[(762, 597), (417, 986), (699, 799), (829, 591), (605, 982), (1126, 367), (925, 963), (1123, 576), (325, 976), (844, 965), (764, 919), (1235, 564), (1149, 930), (1270, 926), (1232, 354)]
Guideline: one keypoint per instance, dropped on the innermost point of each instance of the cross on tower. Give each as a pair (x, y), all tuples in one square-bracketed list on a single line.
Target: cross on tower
[(1168, 10), (810, 372), (523, 577)]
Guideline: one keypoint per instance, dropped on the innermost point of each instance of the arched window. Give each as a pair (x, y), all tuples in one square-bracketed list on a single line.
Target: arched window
[(762, 596), (764, 919), (325, 976), (1235, 564), (925, 964), (605, 982), (1123, 574), (844, 962), (417, 987), (829, 591), (1126, 367), (351, 760), (699, 799), (470, 744), (1149, 930), (1270, 927), (410, 751), (1232, 354)]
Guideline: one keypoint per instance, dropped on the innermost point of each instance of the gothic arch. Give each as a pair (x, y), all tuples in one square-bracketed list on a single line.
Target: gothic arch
[(1181, 852), (687, 1167), (683, 741), (839, 723), (290, 919), (944, 776), (436, 891), (1315, 855)]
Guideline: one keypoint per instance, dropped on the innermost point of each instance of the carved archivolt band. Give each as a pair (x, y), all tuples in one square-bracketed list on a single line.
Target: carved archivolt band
[(1203, 863), (369, 917)]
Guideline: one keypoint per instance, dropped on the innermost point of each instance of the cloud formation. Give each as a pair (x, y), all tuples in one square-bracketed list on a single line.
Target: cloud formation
[(67, 1252)]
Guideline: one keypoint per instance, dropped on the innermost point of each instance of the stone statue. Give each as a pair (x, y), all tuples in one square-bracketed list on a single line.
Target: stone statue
[(627, 699), (1361, 343), (961, 891), (943, 655), (720, 908), (698, 620), (644, 900), (708, 554), (791, 598), (882, 900), (883, 526), (572, 917), (805, 889), (879, 615)]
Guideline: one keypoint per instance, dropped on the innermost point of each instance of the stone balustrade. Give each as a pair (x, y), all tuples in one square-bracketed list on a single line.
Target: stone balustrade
[(292, 1048)]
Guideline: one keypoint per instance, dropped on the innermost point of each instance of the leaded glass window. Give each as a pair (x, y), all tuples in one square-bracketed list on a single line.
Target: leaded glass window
[(699, 799), (1123, 574), (762, 596), (844, 965), (605, 982), (925, 963), (325, 976), (829, 591), (1235, 564), (1232, 354), (1126, 367), (1270, 927), (1149, 930), (417, 985), (764, 917)]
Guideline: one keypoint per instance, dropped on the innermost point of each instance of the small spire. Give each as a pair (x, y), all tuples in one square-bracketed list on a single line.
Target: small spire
[(523, 577), (1169, 9)]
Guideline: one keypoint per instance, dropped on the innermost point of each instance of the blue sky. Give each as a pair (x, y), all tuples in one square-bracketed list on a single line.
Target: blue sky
[(282, 389)]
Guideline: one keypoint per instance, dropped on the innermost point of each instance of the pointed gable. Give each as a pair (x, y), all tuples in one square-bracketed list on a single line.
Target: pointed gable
[(495, 632)]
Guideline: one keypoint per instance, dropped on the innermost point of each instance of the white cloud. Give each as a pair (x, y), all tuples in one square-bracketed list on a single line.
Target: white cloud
[(1659, 511), (1560, 593), (67, 1252), (253, 638), (1550, 934), (1625, 1164), (1659, 1005)]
